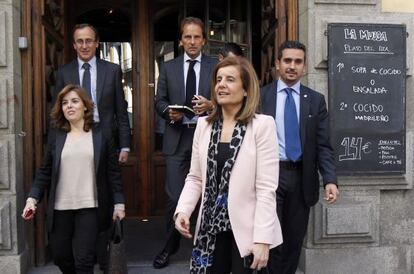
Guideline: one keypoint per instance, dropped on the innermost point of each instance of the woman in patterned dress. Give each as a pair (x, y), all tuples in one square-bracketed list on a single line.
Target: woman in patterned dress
[(234, 169)]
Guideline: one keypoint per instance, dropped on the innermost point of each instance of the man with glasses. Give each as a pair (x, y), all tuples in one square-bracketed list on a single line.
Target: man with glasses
[(102, 82)]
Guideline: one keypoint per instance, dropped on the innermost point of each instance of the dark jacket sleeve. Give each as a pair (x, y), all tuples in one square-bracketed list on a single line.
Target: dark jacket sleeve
[(43, 176), (161, 99), (326, 160), (113, 173), (121, 112)]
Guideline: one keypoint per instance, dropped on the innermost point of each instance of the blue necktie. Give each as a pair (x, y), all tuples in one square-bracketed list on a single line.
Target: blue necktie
[(86, 81), (292, 137)]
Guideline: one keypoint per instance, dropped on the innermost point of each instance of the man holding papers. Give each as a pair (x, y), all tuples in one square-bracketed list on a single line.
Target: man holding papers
[(184, 81), (186, 111)]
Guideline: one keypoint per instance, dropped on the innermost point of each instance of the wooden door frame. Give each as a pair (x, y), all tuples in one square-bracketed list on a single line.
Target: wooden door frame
[(34, 105), (287, 15), (33, 109), (143, 119), (293, 20), (27, 107)]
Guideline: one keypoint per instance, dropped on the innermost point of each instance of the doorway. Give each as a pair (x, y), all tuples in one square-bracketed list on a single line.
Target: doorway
[(139, 36), (125, 38), (123, 27), (113, 21)]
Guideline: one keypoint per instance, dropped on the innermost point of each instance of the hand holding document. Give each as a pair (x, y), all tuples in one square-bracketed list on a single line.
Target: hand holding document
[(187, 111)]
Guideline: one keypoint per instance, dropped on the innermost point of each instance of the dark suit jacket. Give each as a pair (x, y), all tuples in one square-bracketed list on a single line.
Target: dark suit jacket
[(110, 97), (317, 153), (107, 172), (171, 90)]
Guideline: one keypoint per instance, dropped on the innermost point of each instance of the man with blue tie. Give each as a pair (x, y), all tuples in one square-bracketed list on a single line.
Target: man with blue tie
[(102, 81), (184, 80), (304, 150)]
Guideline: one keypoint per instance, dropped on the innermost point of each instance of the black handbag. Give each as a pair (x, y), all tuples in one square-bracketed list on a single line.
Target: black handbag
[(117, 255)]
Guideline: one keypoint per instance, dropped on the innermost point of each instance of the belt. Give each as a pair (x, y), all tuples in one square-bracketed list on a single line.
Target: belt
[(190, 125), (290, 165)]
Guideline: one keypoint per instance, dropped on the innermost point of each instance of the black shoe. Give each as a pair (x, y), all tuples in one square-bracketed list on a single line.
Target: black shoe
[(162, 259)]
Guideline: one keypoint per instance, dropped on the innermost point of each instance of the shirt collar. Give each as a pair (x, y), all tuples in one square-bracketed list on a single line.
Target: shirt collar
[(186, 57), (91, 62), (282, 85)]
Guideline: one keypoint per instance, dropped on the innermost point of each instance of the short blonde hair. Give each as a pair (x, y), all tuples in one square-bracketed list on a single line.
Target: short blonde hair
[(250, 85)]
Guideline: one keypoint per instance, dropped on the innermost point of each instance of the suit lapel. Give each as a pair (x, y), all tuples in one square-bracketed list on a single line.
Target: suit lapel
[(304, 112), (59, 143), (204, 69), (180, 77), (269, 107), (74, 77), (97, 145), (100, 79)]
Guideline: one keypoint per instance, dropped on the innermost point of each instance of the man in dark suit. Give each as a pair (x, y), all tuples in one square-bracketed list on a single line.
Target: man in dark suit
[(183, 81), (102, 80), (304, 149)]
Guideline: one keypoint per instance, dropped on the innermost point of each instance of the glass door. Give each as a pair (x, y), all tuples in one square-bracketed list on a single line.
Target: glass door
[(120, 53)]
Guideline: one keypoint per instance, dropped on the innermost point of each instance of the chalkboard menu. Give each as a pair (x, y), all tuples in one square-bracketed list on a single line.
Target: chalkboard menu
[(367, 71)]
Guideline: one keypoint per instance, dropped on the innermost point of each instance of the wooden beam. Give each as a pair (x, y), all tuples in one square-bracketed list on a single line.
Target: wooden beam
[(27, 97), (27, 123), (281, 17), (292, 24), (144, 99), (37, 116)]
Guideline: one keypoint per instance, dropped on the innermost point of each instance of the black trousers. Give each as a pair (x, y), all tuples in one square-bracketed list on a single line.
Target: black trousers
[(177, 167), (102, 249), (293, 215), (227, 258), (73, 240)]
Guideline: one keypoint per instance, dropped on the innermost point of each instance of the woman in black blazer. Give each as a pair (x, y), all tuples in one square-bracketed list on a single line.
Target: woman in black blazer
[(83, 179)]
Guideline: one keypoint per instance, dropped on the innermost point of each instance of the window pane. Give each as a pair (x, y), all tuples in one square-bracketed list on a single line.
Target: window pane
[(215, 48), (121, 53), (238, 22), (195, 8), (217, 22)]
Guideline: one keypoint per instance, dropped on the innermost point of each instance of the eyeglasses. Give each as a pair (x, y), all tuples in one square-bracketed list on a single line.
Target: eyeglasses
[(87, 42)]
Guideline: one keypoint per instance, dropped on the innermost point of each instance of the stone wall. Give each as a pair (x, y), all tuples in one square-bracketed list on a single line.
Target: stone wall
[(13, 258), (371, 228)]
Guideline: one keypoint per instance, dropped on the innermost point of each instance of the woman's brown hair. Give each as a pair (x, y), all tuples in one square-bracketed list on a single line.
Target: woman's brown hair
[(58, 118), (250, 85)]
